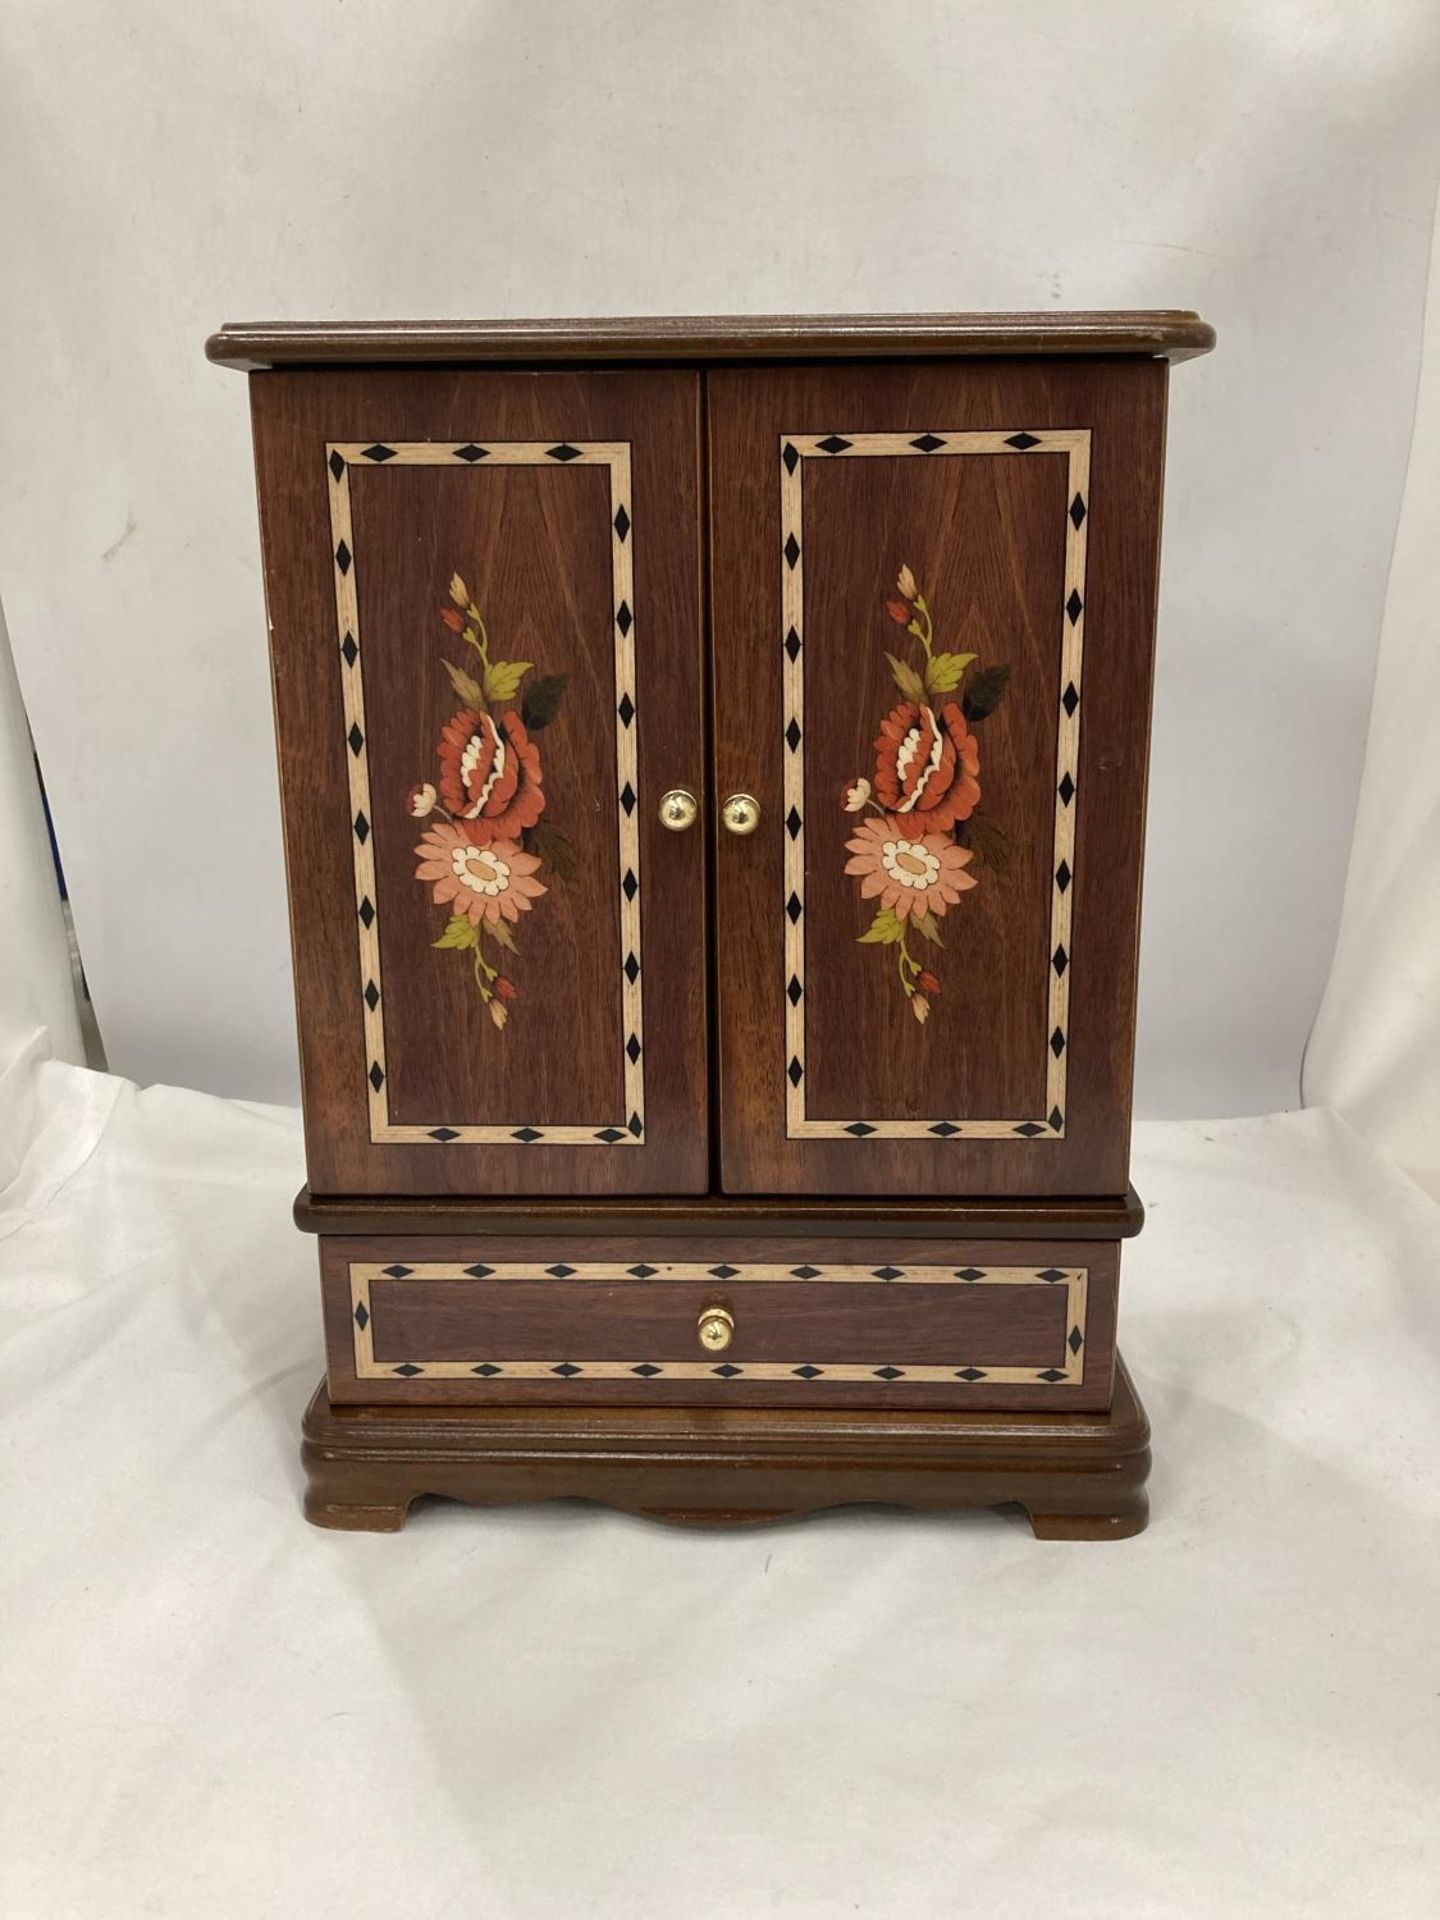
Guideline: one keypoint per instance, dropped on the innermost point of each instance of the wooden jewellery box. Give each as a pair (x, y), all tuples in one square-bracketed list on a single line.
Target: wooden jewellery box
[(713, 756)]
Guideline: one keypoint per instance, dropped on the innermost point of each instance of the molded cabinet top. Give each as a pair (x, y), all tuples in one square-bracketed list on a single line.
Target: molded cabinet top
[(1170, 335)]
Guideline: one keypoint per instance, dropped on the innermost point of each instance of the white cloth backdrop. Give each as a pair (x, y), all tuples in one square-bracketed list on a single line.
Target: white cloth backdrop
[(1272, 162), (210, 1708), (1375, 1053)]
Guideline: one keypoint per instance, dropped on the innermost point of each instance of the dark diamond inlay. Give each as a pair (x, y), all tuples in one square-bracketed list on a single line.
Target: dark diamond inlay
[(927, 443), (408, 1369), (792, 644), (791, 550), (970, 1273), (1057, 1043), (726, 1371), (1066, 789), (377, 1075), (567, 1369), (793, 823), (1070, 699), (372, 995), (1074, 606), (396, 1272), (487, 1369), (443, 1133), (796, 1072), (1050, 1275), (635, 1125), (791, 457), (832, 444), (724, 1272), (1062, 875), (622, 522), (1076, 1340), (624, 619), (806, 1273), (794, 991), (472, 453), (792, 734), (642, 1272), (563, 452), (362, 1318), (970, 1373), (378, 453), (367, 911), (362, 828), (560, 1271), (1077, 510), (807, 1372), (527, 1134), (349, 649), (632, 1048), (793, 908), (627, 797), (631, 969), (1029, 1128), (356, 738), (342, 557), (479, 1271), (610, 1135), (626, 709), (859, 1129), (629, 886), (889, 1373), (1022, 441), (1057, 1119), (944, 1128), (1050, 1373), (1060, 959), (645, 1370), (337, 464), (888, 1273)]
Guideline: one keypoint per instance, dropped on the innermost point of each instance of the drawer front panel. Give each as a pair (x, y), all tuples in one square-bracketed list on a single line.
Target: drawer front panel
[(986, 1325), (485, 623), (933, 596)]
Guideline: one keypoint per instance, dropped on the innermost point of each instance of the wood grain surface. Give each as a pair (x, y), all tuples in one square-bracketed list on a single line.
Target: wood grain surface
[(1172, 334)]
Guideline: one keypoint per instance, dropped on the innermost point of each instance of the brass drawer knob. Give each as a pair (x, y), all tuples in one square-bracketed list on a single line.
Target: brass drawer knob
[(716, 1329), (679, 809), (741, 813)]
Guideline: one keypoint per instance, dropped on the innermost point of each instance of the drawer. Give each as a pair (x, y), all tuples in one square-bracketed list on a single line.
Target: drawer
[(763, 1323)]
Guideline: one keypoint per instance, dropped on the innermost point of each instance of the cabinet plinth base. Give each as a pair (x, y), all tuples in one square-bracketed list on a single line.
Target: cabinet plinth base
[(1078, 1476)]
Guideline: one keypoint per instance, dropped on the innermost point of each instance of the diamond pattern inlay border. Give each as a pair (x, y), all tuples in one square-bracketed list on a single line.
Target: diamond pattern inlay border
[(1067, 1370), (628, 1129), (1073, 445)]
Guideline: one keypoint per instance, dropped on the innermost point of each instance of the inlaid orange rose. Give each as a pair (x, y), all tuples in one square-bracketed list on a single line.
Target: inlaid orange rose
[(914, 858), (484, 850)]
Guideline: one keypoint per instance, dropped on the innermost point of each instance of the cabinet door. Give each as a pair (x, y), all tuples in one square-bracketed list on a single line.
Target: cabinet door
[(484, 602), (932, 603)]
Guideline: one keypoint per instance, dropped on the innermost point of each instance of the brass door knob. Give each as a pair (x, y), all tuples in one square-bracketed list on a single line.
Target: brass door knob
[(716, 1329), (679, 809), (741, 813)]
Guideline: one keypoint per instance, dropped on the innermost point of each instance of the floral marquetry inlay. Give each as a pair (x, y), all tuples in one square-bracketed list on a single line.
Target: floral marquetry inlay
[(483, 854), (915, 856)]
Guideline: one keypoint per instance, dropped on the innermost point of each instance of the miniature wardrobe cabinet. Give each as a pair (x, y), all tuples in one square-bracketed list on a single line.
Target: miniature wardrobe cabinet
[(713, 758)]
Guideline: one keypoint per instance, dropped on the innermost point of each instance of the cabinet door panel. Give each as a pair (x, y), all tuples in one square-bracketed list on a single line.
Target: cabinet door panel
[(924, 580), (484, 605)]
